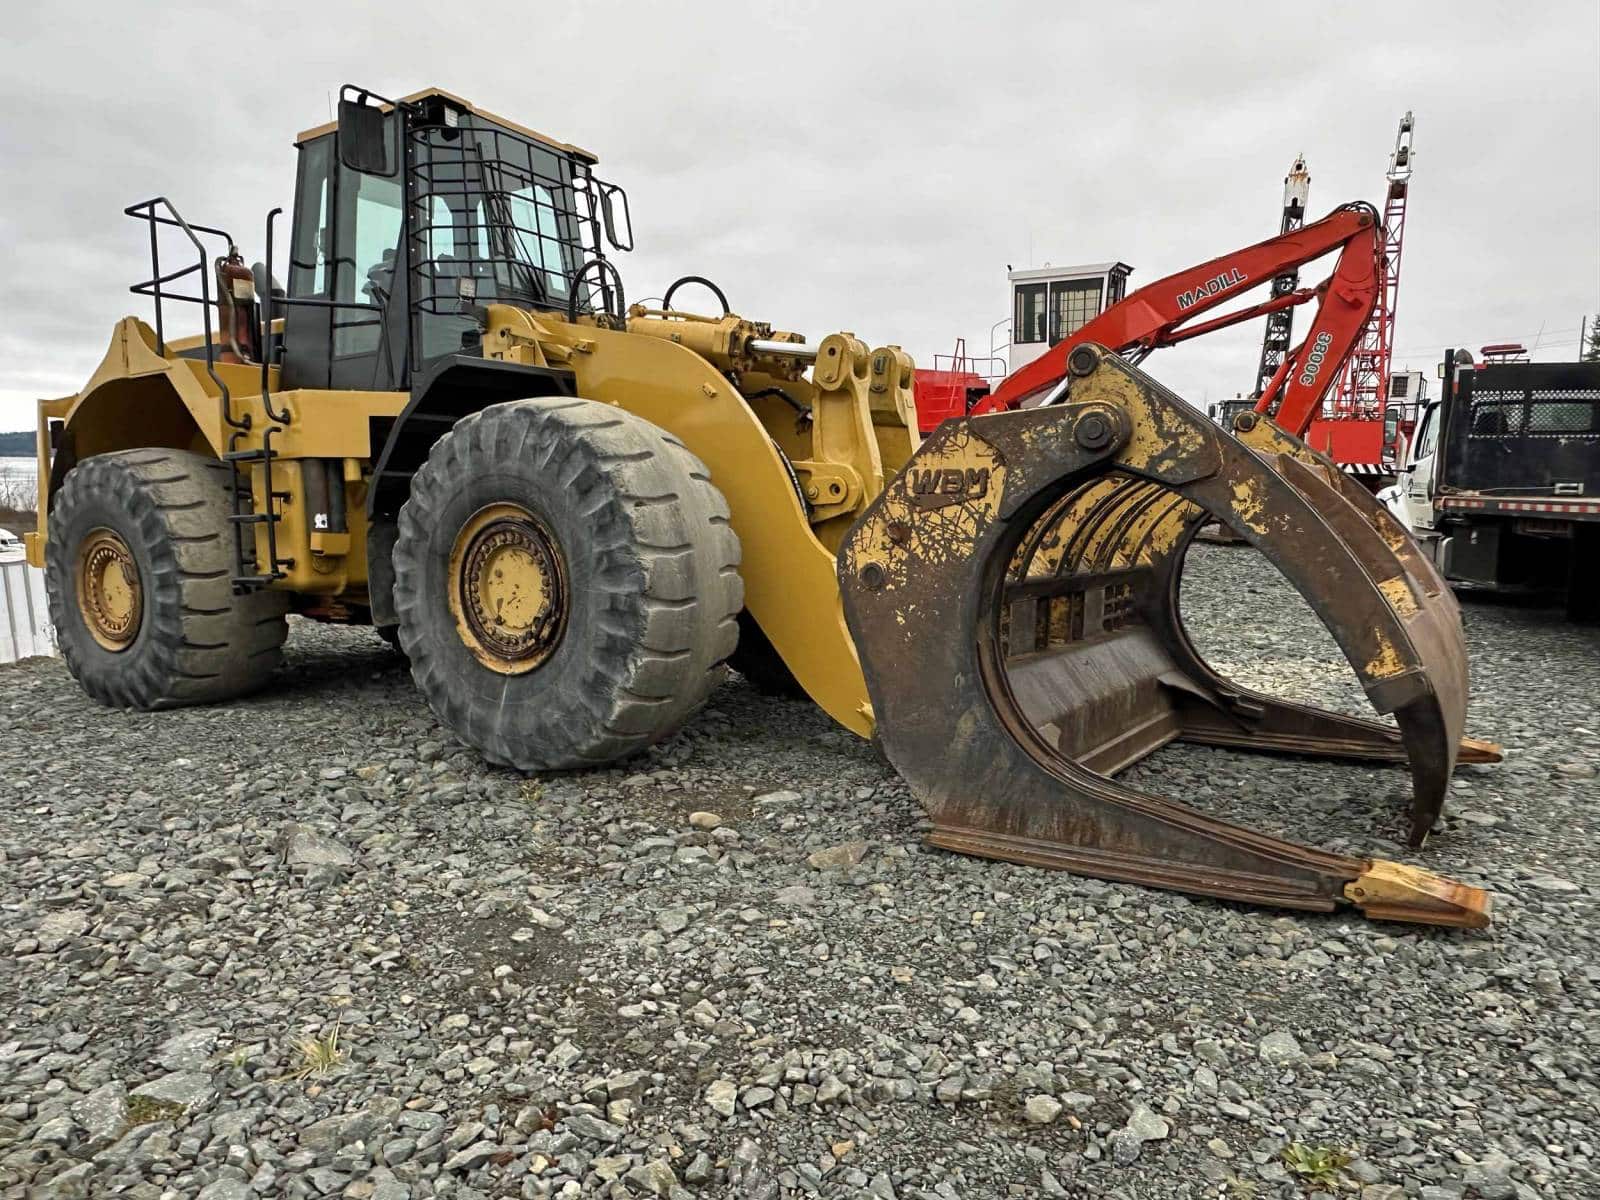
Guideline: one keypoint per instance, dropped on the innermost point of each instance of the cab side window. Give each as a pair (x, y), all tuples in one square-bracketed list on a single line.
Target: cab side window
[(308, 273), (365, 246), (1029, 317), (1427, 436)]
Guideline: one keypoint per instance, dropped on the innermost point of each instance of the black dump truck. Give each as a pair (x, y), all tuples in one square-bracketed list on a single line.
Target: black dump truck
[(1501, 484)]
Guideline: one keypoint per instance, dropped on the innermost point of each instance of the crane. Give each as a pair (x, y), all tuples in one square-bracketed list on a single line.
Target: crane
[(1364, 383), (1280, 324)]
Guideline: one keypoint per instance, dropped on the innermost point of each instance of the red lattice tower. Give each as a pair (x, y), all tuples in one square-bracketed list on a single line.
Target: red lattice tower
[(1364, 385)]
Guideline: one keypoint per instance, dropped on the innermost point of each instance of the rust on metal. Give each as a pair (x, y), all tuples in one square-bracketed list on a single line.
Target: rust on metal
[(508, 591), (1056, 535), (110, 596)]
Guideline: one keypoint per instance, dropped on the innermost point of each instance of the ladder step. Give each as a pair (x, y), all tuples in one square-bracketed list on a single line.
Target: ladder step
[(248, 456), (253, 518)]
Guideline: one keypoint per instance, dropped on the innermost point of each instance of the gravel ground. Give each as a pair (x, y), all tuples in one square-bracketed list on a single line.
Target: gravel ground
[(309, 946)]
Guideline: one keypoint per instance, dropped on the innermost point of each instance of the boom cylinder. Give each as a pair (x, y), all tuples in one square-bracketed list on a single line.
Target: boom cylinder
[(798, 350)]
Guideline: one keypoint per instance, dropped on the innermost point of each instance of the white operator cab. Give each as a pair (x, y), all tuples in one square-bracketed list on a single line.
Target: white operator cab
[(1052, 303), (1408, 397)]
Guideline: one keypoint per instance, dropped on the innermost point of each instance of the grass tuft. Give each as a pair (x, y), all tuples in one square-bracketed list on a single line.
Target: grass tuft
[(142, 1110), (1322, 1166), (316, 1057)]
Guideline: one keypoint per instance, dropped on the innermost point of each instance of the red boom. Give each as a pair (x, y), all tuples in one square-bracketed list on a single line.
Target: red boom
[(1159, 313)]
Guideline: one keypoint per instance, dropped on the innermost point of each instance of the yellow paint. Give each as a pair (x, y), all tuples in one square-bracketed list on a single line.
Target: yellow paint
[(1386, 662), (938, 527), (790, 583), (1248, 505), (1394, 891), (1157, 434), (1398, 593)]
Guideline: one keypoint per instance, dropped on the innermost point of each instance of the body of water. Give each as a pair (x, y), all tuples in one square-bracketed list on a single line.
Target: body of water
[(23, 469), (18, 481)]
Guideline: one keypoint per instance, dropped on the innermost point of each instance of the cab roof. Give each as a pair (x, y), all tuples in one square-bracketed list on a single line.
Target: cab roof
[(543, 139)]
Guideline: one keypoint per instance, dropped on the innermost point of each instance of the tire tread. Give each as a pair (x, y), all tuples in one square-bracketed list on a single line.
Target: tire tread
[(198, 643)]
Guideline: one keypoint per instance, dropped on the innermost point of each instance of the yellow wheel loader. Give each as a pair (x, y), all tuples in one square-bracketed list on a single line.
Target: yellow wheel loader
[(570, 513)]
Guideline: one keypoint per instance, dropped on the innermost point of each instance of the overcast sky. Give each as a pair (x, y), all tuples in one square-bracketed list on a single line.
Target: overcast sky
[(860, 166)]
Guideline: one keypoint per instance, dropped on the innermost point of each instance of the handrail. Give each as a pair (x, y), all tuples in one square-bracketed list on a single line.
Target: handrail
[(146, 210), (267, 300)]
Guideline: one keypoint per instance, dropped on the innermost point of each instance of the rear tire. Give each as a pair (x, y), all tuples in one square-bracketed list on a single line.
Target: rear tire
[(176, 633), (627, 586)]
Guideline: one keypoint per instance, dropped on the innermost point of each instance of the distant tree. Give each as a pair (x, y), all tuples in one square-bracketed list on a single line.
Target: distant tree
[(17, 445), (1591, 343)]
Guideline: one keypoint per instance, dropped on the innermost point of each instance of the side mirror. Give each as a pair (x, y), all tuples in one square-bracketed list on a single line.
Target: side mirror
[(364, 137), (610, 194)]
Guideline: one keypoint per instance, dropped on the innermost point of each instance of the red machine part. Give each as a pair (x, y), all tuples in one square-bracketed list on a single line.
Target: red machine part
[(1159, 313), (1347, 441), (952, 387)]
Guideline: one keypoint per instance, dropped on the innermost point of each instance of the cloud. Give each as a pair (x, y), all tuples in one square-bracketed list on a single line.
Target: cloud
[(871, 167)]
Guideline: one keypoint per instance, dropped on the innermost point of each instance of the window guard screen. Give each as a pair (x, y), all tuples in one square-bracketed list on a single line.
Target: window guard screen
[(497, 217), (1073, 304)]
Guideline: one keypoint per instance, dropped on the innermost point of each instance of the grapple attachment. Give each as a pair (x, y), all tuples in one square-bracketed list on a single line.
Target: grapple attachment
[(1013, 597)]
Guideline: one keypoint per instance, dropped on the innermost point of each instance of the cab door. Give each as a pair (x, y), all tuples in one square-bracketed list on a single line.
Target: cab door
[(1411, 499), (344, 320)]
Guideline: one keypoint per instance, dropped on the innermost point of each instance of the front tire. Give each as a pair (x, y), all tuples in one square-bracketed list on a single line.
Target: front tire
[(566, 581), (138, 570)]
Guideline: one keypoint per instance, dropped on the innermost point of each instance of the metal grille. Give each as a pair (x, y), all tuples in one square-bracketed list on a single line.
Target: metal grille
[(1497, 415), (1558, 413), (499, 218), (1540, 413)]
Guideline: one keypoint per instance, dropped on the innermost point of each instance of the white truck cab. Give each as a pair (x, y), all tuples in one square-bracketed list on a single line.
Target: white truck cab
[(1410, 497)]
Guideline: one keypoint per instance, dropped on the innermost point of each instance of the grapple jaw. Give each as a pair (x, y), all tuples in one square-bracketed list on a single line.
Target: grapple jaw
[(1013, 597)]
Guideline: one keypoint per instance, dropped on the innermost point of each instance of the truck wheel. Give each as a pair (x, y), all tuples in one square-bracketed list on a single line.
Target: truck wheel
[(567, 583), (138, 569)]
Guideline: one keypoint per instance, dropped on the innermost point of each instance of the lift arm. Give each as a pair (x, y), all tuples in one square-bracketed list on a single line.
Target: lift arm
[(1159, 314)]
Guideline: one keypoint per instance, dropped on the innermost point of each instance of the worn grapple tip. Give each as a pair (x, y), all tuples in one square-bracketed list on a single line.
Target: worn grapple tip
[(1013, 596)]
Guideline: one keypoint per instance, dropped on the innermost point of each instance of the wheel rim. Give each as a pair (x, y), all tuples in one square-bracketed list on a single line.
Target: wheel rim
[(110, 597), (508, 589)]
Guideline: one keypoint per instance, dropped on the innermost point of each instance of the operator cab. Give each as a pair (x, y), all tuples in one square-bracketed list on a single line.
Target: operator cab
[(1049, 304), (1408, 396), (379, 291)]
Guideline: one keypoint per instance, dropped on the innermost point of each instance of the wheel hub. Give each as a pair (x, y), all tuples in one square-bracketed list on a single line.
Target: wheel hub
[(110, 597), (508, 589)]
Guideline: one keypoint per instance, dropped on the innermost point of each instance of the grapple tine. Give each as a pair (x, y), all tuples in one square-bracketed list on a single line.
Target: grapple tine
[(1013, 597)]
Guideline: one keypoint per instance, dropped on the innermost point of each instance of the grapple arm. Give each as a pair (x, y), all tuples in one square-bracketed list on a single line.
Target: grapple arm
[(1163, 313), (1013, 598)]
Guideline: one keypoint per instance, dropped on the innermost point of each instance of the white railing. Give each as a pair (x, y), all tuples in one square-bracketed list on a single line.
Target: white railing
[(24, 617)]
